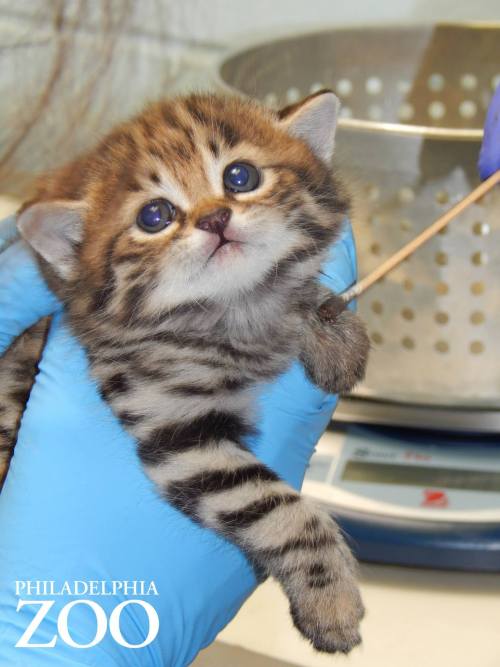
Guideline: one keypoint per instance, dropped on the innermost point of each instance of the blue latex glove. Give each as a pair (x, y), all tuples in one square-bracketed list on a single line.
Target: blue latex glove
[(77, 506), (489, 157)]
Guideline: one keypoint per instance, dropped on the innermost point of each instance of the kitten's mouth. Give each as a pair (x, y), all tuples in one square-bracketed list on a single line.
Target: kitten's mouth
[(223, 241)]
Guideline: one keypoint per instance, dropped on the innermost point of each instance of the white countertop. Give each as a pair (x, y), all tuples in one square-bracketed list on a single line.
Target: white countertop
[(415, 618)]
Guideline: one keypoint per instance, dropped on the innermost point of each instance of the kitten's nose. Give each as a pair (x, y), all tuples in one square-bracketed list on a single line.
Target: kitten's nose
[(215, 222)]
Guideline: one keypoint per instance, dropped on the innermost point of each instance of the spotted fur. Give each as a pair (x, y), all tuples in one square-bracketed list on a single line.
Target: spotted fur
[(179, 334)]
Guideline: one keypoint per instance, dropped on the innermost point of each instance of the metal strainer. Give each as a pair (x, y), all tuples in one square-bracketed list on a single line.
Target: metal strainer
[(414, 101)]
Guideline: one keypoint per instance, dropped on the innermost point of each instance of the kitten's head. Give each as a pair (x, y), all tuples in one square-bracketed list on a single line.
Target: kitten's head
[(197, 198)]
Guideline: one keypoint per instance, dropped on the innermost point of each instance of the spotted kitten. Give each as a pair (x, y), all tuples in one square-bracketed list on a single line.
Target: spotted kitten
[(186, 248)]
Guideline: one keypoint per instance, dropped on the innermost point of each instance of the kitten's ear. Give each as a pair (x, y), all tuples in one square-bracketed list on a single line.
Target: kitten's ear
[(53, 229), (314, 120)]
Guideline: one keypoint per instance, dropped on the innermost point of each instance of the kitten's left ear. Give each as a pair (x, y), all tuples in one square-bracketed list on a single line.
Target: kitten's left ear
[(314, 120)]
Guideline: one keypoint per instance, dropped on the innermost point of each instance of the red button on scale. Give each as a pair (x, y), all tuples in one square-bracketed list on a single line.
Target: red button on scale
[(434, 498)]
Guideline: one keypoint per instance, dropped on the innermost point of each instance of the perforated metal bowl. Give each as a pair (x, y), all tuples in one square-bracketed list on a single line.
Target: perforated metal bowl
[(414, 101)]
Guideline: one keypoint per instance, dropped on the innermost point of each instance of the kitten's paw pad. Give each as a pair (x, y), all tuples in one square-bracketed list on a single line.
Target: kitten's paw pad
[(330, 616)]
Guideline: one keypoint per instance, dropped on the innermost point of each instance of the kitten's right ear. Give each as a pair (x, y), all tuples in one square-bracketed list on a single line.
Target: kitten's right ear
[(53, 229), (314, 120)]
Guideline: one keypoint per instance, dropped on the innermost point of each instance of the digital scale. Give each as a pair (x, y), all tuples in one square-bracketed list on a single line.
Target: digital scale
[(411, 497)]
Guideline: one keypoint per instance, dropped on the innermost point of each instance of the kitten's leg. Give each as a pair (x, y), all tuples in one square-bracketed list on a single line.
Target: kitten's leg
[(221, 485), (18, 367), (335, 346)]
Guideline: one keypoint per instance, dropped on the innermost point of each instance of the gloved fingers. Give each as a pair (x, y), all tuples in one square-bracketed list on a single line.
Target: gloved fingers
[(340, 269), (293, 415), (24, 295), (293, 411), (489, 156)]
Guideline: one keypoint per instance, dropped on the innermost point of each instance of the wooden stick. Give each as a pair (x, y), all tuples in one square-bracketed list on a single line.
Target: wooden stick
[(428, 233)]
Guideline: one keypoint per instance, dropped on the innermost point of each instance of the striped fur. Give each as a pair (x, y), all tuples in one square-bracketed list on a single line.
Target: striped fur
[(179, 337), (18, 367)]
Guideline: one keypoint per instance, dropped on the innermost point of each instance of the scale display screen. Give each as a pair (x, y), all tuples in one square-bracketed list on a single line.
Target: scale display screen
[(417, 475), (410, 498)]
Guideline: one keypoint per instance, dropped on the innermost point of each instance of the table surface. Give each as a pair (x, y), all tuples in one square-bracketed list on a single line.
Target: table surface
[(414, 618)]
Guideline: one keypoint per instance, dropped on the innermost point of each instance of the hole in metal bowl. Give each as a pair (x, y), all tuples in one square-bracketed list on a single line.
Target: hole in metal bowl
[(441, 317), (377, 307), (476, 347), (373, 85), (436, 110), (480, 228), (408, 284), (316, 86), (293, 95), (408, 343), (479, 258), (442, 197), (375, 249), (406, 111), (344, 87), (406, 195), (477, 317), (477, 288), (441, 258), (442, 288), (468, 81), (436, 82), (377, 338), (467, 109), (442, 346), (408, 314)]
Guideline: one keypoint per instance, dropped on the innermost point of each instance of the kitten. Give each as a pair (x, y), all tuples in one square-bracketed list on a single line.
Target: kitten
[(186, 248)]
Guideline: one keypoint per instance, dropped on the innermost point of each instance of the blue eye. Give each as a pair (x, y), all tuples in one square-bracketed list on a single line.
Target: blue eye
[(155, 216), (241, 177)]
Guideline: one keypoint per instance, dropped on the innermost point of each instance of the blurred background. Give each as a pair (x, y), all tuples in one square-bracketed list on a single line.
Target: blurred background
[(411, 466)]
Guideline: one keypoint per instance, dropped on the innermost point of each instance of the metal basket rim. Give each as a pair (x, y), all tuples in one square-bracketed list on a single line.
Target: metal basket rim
[(356, 124)]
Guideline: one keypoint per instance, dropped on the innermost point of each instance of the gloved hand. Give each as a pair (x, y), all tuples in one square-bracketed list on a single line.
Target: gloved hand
[(489, 157), (76, 504)]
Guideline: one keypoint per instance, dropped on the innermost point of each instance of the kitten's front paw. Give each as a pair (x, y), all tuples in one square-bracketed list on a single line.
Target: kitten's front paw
[(336, 348), (353, 346), (330, 309), (328, 608)]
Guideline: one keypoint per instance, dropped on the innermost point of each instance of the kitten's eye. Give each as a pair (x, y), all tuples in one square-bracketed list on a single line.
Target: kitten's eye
[(155, 215), (241, 177)]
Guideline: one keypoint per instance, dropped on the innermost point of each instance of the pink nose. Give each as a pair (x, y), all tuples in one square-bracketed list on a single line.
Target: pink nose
[(215, 222)]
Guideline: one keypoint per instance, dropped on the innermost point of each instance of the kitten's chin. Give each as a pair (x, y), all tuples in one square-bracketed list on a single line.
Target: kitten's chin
[(233, 269)]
